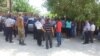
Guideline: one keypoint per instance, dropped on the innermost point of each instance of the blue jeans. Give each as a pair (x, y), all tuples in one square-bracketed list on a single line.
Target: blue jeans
[(58, 35)]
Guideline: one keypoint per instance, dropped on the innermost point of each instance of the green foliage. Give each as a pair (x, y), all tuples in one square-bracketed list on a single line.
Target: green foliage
[(76, 9), (3, 5), (23, 6)]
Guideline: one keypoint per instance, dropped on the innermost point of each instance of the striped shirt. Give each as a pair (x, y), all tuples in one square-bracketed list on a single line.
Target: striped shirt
[(48, 27)]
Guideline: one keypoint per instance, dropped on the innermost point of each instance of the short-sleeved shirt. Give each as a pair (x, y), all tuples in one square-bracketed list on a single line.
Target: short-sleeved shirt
[(48, 27), (9, 22), (58, 26), (38, 25), (92, 27), (68, 24)]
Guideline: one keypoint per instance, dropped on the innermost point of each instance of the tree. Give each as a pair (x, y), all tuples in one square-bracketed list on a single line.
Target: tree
[(23, 6), (76, 9), (3, 6)]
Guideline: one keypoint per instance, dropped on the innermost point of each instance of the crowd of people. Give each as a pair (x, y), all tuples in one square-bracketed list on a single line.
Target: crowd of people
[(44, 29)]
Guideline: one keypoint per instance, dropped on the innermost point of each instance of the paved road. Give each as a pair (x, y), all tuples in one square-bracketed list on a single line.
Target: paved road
[(70, 47)]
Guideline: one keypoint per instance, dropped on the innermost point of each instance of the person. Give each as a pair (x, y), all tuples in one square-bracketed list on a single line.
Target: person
[(34, 29), (25, 24), (58, 32), (4, 17), (43, 22), (48, 33), (53, 23), (73, 29), (64, 25), (21, 30), (87, 29), (9, 23), (68, 28), (1, 23), (39, 28), (14, 27), (92, 29), (83, 32)]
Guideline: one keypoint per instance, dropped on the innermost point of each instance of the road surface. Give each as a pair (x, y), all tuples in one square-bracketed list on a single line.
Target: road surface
[(70, 47)]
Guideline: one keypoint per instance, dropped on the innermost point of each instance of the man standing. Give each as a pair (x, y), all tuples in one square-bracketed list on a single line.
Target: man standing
[(87, 29), (43, 22), (58, 32), (68, 28), (0, 22), (25, 17), (92, 32), (9, 23), (14, 27), (39, 28), (35, 29), (48, 31), (21, 30)]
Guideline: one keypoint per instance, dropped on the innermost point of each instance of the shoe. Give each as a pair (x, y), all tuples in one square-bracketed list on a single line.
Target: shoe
[(11, 41), (47, 48), (85, 43), (50, 46), (6, 40), (91, 42), (58, 45), (22, 43)]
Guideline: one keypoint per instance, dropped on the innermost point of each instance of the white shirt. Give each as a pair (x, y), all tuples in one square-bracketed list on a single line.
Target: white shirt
[(92, 27), (42, 21), (87, 27), (9, 22), (38, 25)]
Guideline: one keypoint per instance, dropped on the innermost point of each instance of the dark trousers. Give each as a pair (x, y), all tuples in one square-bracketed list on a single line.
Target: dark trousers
[(1, 26), (4, 30), (87, 36), (34, 33), (8, 34), (39, 37), (14, 32), (26, 31), (48, 39), (91, 36), (43, 36), (68, 32)]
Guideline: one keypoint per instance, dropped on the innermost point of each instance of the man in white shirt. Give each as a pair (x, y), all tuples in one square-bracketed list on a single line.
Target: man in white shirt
[(9, 22), (39, 28), (92, 29)]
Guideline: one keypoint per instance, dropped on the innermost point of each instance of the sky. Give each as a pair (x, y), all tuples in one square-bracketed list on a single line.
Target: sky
[(39, 5)]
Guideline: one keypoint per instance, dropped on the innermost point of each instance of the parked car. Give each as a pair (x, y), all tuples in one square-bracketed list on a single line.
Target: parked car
[(30, 24)]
